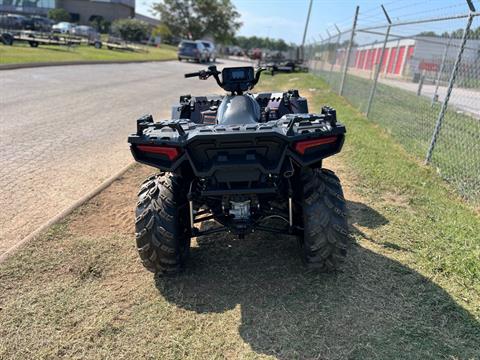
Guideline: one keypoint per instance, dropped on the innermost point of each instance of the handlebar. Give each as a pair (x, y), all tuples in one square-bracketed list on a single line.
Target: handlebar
[(195, 74), (212, 71)]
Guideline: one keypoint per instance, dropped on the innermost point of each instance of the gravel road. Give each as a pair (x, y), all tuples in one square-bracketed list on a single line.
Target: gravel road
[(63, 130)]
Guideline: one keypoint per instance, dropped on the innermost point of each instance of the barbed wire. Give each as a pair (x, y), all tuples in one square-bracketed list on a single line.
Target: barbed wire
[(415, 76)]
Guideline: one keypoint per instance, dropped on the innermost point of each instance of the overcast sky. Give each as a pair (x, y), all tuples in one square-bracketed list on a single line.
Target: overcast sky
[(286, 18)]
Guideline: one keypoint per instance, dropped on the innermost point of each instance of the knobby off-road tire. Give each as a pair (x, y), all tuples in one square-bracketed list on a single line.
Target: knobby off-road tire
[(161, 224), (325, 236)]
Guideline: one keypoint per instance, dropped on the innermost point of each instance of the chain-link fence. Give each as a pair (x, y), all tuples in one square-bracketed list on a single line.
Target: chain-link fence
[(418, 78)]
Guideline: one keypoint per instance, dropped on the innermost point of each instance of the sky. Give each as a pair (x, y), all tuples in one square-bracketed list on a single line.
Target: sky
[(286, 18)]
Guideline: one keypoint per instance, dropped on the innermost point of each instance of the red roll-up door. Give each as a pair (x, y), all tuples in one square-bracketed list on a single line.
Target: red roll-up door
[(362, 59), (410, 51), (377, 56), (398, 65), (384, 60), (371, 55), (393, 54)]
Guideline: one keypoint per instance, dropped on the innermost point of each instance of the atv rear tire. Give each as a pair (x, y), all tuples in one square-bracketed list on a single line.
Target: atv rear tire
[(161, 224), (325, 228)]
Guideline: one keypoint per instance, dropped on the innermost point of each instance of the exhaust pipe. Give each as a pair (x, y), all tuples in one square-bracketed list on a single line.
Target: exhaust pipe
[(288, 169), (290, 212)]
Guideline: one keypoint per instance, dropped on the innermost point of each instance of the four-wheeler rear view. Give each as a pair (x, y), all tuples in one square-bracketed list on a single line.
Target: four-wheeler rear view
[(251, 162)]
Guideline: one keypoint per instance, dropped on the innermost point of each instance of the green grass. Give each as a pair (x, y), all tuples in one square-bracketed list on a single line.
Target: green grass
[(409, 288), (411, 120), (20, 54), (442, 230)]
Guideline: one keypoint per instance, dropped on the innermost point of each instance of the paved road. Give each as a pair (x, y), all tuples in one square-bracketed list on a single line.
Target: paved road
[(63, 131)]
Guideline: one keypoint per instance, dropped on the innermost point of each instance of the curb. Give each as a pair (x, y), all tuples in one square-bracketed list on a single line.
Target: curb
[(65, 63), (65, 212)]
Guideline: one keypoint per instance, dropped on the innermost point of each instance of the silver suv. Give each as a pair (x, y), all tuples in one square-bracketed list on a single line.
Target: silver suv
[(212, 52), (192, 50)]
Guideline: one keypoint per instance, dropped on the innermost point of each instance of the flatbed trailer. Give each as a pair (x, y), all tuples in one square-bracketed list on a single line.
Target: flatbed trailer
[(34, 39)]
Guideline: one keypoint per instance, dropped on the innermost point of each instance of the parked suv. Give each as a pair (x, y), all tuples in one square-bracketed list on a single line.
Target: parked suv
[(63, 28), (15, 22), (212, 52), (192, 50), (85, 31), (41, 23)]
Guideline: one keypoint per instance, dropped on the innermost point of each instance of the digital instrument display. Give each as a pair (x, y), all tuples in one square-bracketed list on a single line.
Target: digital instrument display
[(238, 78), (238, 74)]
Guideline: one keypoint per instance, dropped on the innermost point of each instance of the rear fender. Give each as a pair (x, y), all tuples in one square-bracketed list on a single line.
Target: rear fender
[(242, 151)]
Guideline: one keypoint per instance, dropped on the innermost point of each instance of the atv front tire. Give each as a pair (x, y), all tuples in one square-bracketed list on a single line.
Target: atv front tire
[(325, 228), (161, 224)]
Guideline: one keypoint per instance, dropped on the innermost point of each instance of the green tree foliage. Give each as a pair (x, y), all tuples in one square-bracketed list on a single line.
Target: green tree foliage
[(164, 32), (101, 25), (260, 42), (456, 34), (428, 33), (195, 19), (59, 15), (131, 29)]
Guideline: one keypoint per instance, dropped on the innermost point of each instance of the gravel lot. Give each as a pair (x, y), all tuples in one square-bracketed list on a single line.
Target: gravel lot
[(63, 131)]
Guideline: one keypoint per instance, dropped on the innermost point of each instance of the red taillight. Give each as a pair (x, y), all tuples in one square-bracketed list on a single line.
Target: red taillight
[(169, 151), (302, 146)]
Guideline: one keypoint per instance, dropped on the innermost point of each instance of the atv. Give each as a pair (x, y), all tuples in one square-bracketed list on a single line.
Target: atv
[(251, 162)]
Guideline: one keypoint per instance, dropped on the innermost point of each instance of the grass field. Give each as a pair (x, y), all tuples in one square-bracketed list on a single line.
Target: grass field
[(23, 53), (409, 289), (411, 120)]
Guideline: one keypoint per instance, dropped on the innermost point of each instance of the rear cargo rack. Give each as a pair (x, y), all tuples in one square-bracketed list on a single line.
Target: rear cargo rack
[(146, 121)]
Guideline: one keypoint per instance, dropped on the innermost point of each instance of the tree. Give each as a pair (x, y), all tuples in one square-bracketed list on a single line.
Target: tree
[(100, 24), (428, 33), (131, 29), (259, 42), (59, 15), (164, 32), (195, 19)]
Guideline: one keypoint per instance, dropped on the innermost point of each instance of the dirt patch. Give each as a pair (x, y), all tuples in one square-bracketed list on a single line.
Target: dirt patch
[(81, 292), (113, 210)]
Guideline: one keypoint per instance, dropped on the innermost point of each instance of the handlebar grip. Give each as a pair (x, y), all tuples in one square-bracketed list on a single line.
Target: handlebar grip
[(192, 74)]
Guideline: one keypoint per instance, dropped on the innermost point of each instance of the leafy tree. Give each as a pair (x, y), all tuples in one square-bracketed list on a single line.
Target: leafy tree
[(195, 19), (476, 33), (131, 29), (457, 34), (164, 32), (428, 33), (59, 15), (260, 42), (101, 25)]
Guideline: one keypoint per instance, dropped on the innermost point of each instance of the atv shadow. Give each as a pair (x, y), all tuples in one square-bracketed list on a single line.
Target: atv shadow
[(364, 215), (374, 307)]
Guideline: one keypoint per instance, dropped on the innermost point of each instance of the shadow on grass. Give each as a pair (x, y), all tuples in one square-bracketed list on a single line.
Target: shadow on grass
[(364, 215), (374, 307)]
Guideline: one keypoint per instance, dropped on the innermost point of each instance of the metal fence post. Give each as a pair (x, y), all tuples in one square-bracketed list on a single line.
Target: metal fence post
[(379, 65), (453, 75), (334, 60), (336, 47), (349, 50), (313, 59), (323, 45), (442, 66)]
